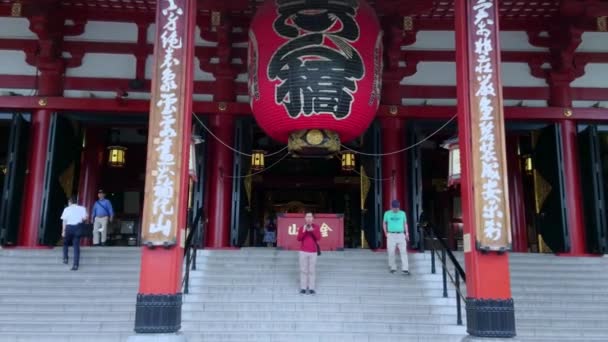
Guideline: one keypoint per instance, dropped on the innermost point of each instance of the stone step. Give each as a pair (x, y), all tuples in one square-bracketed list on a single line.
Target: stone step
[(295, 298), (68, 298), (322, 337), (322, 327), (74, 317), (69, 283), (405, 317), (321, 307), (71, 307), (63, 337), (560, 332), (53, 291), (327, 290), (549, 323), (67, 327), (85, 267)]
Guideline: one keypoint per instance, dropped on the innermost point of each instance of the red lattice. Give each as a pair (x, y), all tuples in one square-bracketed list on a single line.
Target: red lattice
[(116, 5), (437, 9)]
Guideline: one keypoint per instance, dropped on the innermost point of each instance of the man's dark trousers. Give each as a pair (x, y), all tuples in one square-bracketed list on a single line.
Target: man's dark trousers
[(72, 234)]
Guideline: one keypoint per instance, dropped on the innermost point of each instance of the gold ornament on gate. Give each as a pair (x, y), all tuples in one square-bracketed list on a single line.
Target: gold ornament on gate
[(314, 143)]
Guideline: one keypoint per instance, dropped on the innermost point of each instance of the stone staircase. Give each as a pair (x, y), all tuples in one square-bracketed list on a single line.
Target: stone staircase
[(560, 298), (251, 295), (41, 300)]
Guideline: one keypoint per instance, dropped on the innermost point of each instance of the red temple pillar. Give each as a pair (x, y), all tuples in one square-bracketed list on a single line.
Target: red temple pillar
[(220, 182), (516, 198), (159, 299), (485, 207), (90, 170), (50, 83), (561, 97), (393, 165), (34, 182), (222, 126)]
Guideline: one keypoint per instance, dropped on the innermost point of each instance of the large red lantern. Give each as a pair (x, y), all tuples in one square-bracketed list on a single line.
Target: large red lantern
[(315, 69)]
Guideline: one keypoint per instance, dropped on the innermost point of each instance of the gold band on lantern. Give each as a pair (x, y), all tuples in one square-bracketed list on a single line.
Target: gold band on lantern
[(314, 142)]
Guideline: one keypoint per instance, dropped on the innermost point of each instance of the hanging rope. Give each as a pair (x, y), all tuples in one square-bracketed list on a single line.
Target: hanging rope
[(261, 171), (403, 149), (230, 147)]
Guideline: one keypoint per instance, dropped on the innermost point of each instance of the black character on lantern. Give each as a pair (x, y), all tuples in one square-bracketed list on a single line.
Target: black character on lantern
[(318, 68)]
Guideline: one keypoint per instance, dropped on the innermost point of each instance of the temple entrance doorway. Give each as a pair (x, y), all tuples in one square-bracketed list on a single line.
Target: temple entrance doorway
[(291, 185)]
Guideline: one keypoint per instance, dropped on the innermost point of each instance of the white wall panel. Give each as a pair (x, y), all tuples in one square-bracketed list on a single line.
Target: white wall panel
[(82, 94), (589, 104), (22, 92), (594, 42), (202, 97), (596, 76), (105, 65), (13, 63), (433, 73), (15, 28), (445, 40), (103, 31), (518, 75)]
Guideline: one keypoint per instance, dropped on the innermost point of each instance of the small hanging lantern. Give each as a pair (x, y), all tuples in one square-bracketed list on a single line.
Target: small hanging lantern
[(117, 156), (528, 165), (348, 161), (257, 160), (454, 161)]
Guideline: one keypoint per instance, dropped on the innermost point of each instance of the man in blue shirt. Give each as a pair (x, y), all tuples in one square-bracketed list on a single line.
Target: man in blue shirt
[(101, 214), (395, 229)]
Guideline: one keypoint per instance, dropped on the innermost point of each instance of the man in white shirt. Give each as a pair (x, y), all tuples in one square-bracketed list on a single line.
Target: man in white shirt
[(73, 216)]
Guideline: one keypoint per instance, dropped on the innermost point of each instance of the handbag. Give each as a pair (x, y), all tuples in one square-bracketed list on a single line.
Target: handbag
[(317, 244)]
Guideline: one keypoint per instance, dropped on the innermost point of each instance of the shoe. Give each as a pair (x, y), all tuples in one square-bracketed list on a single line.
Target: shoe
[(392, 271), (406, 272), (311, 292), (302, 291), (65, 261), (74, 268)]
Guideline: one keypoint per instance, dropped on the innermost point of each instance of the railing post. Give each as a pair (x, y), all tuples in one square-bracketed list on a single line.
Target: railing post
[(459, 319), (187, 276), (194, 258), (422, 239), (433, 260), (443, 267)]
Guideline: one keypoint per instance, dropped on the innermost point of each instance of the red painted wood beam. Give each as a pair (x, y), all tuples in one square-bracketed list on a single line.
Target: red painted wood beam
[(141, 107), (208, 87)]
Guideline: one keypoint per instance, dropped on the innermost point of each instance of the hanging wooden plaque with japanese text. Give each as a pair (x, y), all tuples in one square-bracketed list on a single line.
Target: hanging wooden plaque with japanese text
[(164, 165), (493, 228)]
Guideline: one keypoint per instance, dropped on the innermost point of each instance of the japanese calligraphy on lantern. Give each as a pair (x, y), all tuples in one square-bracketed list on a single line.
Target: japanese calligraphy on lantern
[(166, 114), (317, 66), (490, 176), (314, 64)]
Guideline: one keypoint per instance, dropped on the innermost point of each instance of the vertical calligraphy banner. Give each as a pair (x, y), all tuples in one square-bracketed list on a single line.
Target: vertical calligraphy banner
[(168, 109), (493, 225)]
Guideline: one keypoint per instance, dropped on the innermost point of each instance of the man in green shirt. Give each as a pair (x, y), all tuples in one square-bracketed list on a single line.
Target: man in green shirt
[(395, 229)]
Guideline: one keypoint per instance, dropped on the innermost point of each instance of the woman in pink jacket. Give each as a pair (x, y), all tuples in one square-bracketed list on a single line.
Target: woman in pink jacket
[(309, 236)]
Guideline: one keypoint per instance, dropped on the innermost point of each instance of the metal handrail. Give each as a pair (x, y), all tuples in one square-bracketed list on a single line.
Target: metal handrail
[(193, 242), (446, 254)]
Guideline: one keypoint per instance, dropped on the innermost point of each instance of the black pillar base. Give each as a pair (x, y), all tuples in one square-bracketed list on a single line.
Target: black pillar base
[(490, 317), (158, 313)]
